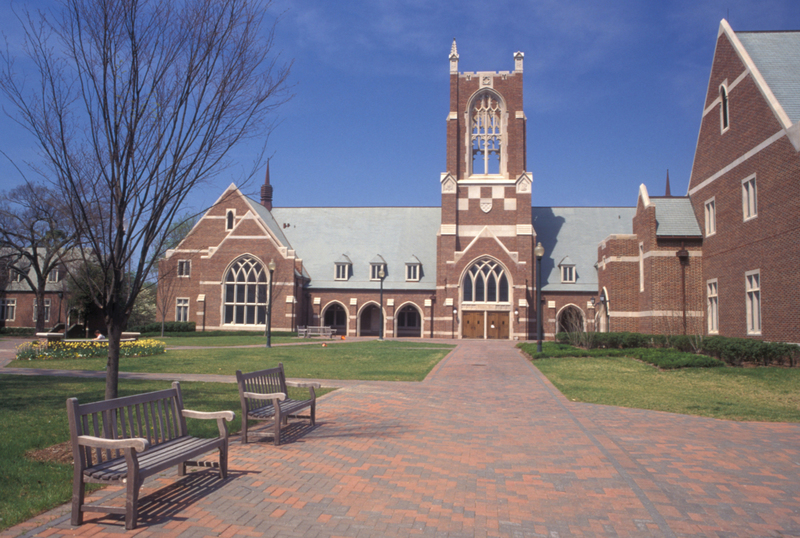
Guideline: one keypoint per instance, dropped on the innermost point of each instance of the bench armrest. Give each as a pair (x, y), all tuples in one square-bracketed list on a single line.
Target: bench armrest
[(303, 384), (139, 443), (226, 415), (259, 396)]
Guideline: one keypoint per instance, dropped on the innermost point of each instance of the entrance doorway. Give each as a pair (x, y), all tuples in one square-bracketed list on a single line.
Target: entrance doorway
[(495, 323), (472, 325), (370, 321)]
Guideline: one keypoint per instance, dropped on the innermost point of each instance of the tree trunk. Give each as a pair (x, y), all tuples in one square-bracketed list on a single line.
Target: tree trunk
[(40, 309), (112, 366)]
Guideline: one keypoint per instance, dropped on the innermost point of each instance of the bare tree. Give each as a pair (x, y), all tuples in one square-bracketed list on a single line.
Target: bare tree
[(134, 104), (35, 239)]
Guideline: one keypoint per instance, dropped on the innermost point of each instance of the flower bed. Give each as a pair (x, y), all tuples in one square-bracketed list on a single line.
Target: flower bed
[(87, 348)]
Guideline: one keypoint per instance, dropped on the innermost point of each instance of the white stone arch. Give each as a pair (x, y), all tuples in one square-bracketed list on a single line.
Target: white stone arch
[(228, 319), (503, 131), (330, 304), (361, 310), (419, 310), (563, 311)]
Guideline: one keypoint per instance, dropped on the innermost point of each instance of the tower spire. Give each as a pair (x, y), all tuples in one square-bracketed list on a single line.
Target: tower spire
[(266, 191), (667, 193), (453, 58)]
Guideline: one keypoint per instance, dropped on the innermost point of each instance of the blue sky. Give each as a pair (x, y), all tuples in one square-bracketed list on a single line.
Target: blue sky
[(613, 95)]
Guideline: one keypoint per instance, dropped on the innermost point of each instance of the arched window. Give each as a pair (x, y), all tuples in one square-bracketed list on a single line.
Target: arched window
[(245, 293), (724, 117), (336, 317), (486, 139), (485, 282), (229, 220)]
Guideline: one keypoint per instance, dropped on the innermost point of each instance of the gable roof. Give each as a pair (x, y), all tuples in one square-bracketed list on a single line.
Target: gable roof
[(322, 235), (777, 56), (675, 217), (576, 232)]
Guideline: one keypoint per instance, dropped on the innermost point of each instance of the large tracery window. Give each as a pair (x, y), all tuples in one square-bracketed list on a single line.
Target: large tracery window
[(487, 134), (245, 293), (485, 282)]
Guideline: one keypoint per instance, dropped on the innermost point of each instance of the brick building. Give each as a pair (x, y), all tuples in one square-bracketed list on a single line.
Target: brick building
[(720, 260)]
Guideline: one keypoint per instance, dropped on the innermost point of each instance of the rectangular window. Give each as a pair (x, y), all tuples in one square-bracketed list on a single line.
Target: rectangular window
[(8, 309), (412, 272), (567, 273), (711, 217), (182, 309), (14, 275), (713, 307), (184, 268), (342, 271), (53, 276), (749, 201), (753, 298), (641, 266), (375, 270), (46, 310)]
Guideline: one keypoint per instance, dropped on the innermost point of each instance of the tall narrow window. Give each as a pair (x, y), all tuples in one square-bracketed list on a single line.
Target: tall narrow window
[(8, 309), (229, 219), (485, 282), (46, 310), (182, 309), (487, 134), (245, 293), (749, 202), (641, 266), (713, 307), (711, 217), (753, 301), (724, 118), (184, 268)]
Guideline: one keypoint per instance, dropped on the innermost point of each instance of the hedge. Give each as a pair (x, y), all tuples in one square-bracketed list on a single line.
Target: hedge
[(169, 326), (733, 351), (17, 331)]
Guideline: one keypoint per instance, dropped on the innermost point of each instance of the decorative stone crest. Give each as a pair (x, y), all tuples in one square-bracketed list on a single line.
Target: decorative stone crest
[(486, 204)]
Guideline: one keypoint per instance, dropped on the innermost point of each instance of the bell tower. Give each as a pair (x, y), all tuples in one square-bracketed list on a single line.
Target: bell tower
[(486, 197)]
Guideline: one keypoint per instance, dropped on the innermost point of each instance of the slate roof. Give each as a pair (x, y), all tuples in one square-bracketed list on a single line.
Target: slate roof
[(777, 57), (675, 217), (575, 232), (321, 235)]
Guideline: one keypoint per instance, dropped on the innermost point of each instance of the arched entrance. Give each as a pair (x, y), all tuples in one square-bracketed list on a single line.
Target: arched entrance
[(485, 300), (570, 319), (408, 322), (335, 316), (369, 321)]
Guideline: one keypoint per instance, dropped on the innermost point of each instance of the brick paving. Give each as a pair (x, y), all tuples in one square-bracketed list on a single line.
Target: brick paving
[(485, 446)]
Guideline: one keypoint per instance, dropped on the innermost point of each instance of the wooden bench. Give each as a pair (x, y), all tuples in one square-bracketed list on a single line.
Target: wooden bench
[(302, 332), (125, 440), (319, 331), (263, 396)]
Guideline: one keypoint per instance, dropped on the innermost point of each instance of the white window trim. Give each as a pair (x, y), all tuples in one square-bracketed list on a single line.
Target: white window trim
[(710, 216), (47, 304), (712, 306), (724, 108), (6, 303), (181, 302), (749, 196), (233, 221), (53, 275), (185, 274), (374, 269), (412, 268), (571, 270), (14, 275), (750, 300), (343, 266)]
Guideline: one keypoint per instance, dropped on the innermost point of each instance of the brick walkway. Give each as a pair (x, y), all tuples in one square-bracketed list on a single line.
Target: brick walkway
[(486, 446)]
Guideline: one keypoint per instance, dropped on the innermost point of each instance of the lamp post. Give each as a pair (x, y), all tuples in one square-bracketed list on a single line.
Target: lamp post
[(539, 252), (381, 275), (604, 302), (453, 330), (271, 266)]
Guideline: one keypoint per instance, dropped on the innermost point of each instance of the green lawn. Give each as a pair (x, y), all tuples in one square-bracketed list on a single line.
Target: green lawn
[(757, 394), (390, 360), (33, 415), (235, 340)]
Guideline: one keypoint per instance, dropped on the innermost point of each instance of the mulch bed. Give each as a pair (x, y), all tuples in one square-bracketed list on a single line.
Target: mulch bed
[(60, 453)]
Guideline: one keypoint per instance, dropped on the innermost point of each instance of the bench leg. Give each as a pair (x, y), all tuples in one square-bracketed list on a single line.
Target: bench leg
[(244, 429), (78, 496), (182, 469), (131, 502), (277, 428), (223, 461), (314, 413)]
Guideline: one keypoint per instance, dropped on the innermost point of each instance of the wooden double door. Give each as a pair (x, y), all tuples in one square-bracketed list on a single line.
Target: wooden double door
[(492, 325)]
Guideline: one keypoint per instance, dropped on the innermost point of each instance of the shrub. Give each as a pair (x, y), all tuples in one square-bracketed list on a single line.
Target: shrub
[(17, 331), (169, 326), (669, 359)]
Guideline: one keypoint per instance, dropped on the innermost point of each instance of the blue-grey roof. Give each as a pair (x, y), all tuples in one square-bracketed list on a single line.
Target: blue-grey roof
[(675, 218), (321, 235), (576, 232), (269, 220), (777, 57)]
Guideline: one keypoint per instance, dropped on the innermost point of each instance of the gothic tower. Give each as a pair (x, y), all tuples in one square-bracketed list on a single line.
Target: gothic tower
[(485, 244)]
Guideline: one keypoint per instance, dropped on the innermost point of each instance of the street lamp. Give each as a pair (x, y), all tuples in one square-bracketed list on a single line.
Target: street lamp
[(453, 330), (271, 266), (381, 275), (539, 252)]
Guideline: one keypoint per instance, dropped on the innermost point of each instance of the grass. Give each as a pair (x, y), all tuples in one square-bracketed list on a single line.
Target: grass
[(746, 394), (226, 340), (33, 416), (390, 360)]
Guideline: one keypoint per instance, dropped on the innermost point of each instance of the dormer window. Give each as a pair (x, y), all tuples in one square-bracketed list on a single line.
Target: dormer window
[(14, 275), (413, 269), (376, 267), (229, 215), (54, 275), (567, 268), (344, 268)]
